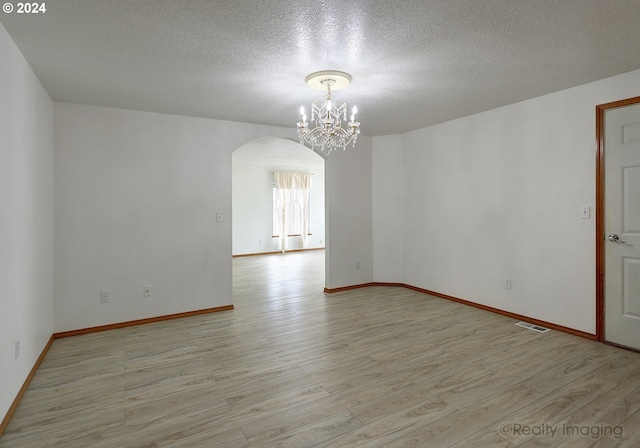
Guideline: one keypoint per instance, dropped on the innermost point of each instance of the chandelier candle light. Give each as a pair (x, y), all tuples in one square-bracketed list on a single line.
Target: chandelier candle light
[(328, 133)]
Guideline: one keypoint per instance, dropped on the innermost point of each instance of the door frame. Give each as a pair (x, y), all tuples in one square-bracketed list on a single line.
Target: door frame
[(600, 218)]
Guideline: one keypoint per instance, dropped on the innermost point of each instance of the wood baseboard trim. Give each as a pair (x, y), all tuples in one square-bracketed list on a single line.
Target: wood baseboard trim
[(25, 385), (276, 252), (347, 288), (531, 320), (65, 334)]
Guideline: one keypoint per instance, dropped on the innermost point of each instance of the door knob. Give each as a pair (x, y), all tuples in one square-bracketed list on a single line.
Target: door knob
[(615, 238)]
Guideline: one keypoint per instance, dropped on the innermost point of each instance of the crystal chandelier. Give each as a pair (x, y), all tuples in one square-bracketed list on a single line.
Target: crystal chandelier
[(328, 133)]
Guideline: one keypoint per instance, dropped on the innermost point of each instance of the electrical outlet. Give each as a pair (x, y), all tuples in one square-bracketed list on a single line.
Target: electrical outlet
[(146, 291), (104, 297), (507, 283), (17, 348)]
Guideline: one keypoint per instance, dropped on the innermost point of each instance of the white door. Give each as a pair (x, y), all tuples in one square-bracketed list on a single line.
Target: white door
[(622, 225)]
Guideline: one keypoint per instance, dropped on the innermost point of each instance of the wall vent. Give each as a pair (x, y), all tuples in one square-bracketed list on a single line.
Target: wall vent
[(533, 327)]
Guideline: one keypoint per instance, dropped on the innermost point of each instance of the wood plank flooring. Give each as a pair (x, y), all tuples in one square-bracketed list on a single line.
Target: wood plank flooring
[(292, 366)]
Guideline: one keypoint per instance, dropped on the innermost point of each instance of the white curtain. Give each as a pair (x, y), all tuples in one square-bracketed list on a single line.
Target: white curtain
[(292, 188), (283, 182)]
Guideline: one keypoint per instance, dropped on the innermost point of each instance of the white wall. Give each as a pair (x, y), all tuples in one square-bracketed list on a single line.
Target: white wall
[(349, 215), (252, 199), (136, 197), (496, 195), (388, 208), (26, 219)]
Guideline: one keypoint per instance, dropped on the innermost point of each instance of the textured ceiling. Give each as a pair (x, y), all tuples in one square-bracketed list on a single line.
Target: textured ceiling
[(414, 62)]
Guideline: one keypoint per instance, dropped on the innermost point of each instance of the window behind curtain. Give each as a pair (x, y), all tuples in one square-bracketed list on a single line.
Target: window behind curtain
[(294, 215), (291, 208)]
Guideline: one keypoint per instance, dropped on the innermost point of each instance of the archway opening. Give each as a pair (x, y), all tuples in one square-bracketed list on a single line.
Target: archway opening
[(254, 229)]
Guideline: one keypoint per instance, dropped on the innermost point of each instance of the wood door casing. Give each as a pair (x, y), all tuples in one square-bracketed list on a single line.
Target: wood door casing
[(600, 210)]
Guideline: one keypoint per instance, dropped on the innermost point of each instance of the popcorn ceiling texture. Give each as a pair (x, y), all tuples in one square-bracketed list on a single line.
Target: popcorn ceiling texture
[(414, 63)]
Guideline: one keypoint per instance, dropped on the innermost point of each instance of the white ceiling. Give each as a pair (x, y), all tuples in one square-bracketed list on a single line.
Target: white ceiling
[(414, 62)]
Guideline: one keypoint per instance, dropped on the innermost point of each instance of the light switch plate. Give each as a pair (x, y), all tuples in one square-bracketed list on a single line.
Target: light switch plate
[(585, 212)]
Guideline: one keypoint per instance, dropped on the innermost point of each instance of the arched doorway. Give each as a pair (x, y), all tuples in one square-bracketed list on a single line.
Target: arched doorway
[(253, 165)]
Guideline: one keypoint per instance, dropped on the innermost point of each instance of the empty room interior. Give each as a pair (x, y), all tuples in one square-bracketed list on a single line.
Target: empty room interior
[(189, 258)]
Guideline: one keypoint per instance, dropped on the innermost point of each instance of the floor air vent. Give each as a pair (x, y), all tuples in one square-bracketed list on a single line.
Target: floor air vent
[(533, 327)]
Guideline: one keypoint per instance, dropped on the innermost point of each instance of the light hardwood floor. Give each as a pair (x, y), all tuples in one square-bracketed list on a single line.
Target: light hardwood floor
[(292, 366)]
